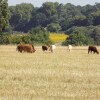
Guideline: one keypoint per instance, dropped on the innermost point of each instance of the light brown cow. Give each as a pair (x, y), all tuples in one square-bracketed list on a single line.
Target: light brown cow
[(29, 48)]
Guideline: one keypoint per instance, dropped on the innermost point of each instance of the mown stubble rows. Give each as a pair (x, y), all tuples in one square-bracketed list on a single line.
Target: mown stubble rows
[(61, 75)]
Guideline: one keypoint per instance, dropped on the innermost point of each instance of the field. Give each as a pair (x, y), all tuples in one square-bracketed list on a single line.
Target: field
[(58, 37), (61, 75)]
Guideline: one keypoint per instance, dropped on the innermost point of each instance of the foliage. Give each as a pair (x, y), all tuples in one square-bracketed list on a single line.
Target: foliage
[(54, 27), (37, 35), (40, 35), (3, 15), (15, 39), (83, 35), (79, 39), (81, 23), (22, 13), (4, 38), (96, 35), (53, 15)]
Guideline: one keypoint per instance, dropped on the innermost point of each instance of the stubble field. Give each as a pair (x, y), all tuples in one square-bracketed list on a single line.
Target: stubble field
[(61, 75)]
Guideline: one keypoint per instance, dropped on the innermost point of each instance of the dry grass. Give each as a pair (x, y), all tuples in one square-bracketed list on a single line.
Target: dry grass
[(49, 76)]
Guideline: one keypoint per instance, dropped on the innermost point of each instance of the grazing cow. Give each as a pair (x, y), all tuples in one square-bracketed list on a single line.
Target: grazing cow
[(29, 48), (69, 48), (48, 48), (44, 48), (33, 47), (92, 49), (19, 48), (52, 48)]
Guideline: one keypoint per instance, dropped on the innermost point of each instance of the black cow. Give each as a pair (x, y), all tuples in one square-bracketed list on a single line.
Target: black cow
[(92, 49)]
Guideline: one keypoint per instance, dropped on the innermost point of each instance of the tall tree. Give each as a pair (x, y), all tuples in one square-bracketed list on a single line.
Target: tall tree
[(23, 14), (3, 14)]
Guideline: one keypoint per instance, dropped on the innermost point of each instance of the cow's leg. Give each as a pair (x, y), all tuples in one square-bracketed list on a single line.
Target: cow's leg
[(20, 51), (88, 51), (93, 52)]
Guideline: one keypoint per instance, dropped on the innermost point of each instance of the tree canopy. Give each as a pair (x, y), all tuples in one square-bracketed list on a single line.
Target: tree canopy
[(81, 23), (3, 15), (65, 15)]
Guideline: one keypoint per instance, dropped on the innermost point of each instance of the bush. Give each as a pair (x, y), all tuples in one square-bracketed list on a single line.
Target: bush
[(40, 35), (37, 35), (4, 38), (78, 39), (54, 27)]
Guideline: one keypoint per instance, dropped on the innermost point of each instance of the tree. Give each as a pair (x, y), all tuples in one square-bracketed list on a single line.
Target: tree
[(54, 27), (39, 19), (39, 35), (23, 14), (66, 16), (96, 36), (3, 15), (72, 16), (96, 18), (79, 36), (79, 39), (49, 8)]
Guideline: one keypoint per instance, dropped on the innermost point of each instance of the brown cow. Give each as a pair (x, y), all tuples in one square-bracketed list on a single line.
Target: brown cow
[(19, 48), (44, 48), (29, 48), (92, 49)]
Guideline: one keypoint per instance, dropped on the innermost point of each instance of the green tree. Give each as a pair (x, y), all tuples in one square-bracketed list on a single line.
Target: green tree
[(3, 15), (96, 36), (49, 8), (39, 35), (96, 18), (23, 14), (79, 39), (39, 19), (79, 36), (54, 27)]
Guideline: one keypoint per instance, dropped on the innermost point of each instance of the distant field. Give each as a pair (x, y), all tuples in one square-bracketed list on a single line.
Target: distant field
[(61, 75), (58, 37)]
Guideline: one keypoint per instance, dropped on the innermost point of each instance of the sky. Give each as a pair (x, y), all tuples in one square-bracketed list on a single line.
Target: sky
[(38, 3)]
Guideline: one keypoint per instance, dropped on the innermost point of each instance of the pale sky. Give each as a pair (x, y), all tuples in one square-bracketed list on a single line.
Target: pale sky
[(38, 3)]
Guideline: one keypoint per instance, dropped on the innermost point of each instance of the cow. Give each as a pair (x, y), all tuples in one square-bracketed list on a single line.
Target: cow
[(48, 48), (19, 48), (52, 48), (29, 48), (69, 48), (44, 48), (92, 49)]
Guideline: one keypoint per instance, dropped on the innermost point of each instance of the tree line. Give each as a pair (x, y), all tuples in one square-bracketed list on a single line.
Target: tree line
[(53, 16), (81, 23)]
